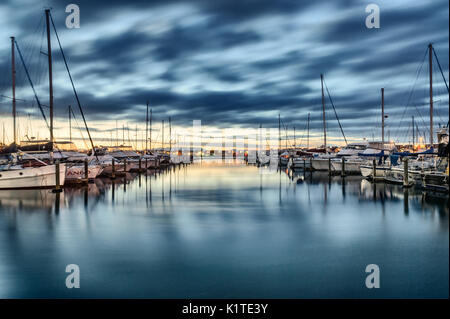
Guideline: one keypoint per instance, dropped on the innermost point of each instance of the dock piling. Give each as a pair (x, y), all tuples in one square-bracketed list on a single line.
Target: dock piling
[(86, 171), (113, 172), (405, 172), (343, 167), (57, 188), (374, 173)]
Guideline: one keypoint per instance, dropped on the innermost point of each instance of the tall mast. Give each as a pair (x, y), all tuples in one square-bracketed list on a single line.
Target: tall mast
[(430, 60), (50, 72), (286, 133), (162, 135), (382, 117), (279, 133), (151, 118), (123, 134), (170, 135), (294, 137), (146, 129), (323, 116), (307, 138), (413, 133), (13, 74), (70, 124), (259, 139), (117, 134)]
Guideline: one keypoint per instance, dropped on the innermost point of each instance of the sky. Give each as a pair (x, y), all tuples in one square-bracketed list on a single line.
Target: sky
[(230, 64)]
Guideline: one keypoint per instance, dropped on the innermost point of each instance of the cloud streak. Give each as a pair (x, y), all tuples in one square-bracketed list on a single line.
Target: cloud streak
[(237, 63)]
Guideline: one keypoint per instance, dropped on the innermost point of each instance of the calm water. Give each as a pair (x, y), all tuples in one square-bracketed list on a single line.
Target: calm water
[(224, 232)]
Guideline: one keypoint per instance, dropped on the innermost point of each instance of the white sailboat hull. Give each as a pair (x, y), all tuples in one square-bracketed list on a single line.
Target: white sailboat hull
[(298, 162), (320, 164), (32, 177), (77, 174), (367, 171), (350, 167)]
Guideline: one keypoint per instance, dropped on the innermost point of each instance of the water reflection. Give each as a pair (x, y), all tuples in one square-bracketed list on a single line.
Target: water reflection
[(224, 231)]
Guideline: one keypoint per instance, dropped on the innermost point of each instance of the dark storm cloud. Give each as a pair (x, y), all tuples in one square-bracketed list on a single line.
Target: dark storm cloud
[(228, 62)]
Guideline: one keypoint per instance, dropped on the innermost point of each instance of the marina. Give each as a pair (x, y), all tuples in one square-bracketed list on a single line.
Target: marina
[(239, 184)]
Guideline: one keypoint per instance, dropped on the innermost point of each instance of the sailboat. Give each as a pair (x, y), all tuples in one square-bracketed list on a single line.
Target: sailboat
[(424, 169), (13, 175), (16, 176), (321, 159)]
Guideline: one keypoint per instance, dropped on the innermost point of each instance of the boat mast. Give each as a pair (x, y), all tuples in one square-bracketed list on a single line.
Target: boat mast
[(170, 135), (307, 138), (146, 129), (162, 135), (70, 124), (323, 116), (413, 132), (151, 117), (286, 134), (294, 137), (259, 139), (382, 117), (279, 133), (430, 60), (117, 134), (13, 74), (50, 73)]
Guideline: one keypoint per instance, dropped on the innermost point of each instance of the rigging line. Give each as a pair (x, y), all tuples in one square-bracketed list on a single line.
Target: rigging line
[(78, 126), (31, 83), (73, 87), (335, 113), (442, 73), (304, 132), (440, 69), (419, 69)]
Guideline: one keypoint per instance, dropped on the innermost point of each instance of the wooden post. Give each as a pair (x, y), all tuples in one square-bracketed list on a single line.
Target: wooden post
[(86, 171), (124, 165), (343, 167), (57, 188), (329, 166), (304, 164), (405, 172), (140, 164), (374, 169), (113, 173), (146, 163)]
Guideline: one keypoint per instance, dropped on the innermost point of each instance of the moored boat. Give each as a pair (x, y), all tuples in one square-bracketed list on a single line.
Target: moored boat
[(77, 173), (16, 176)]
